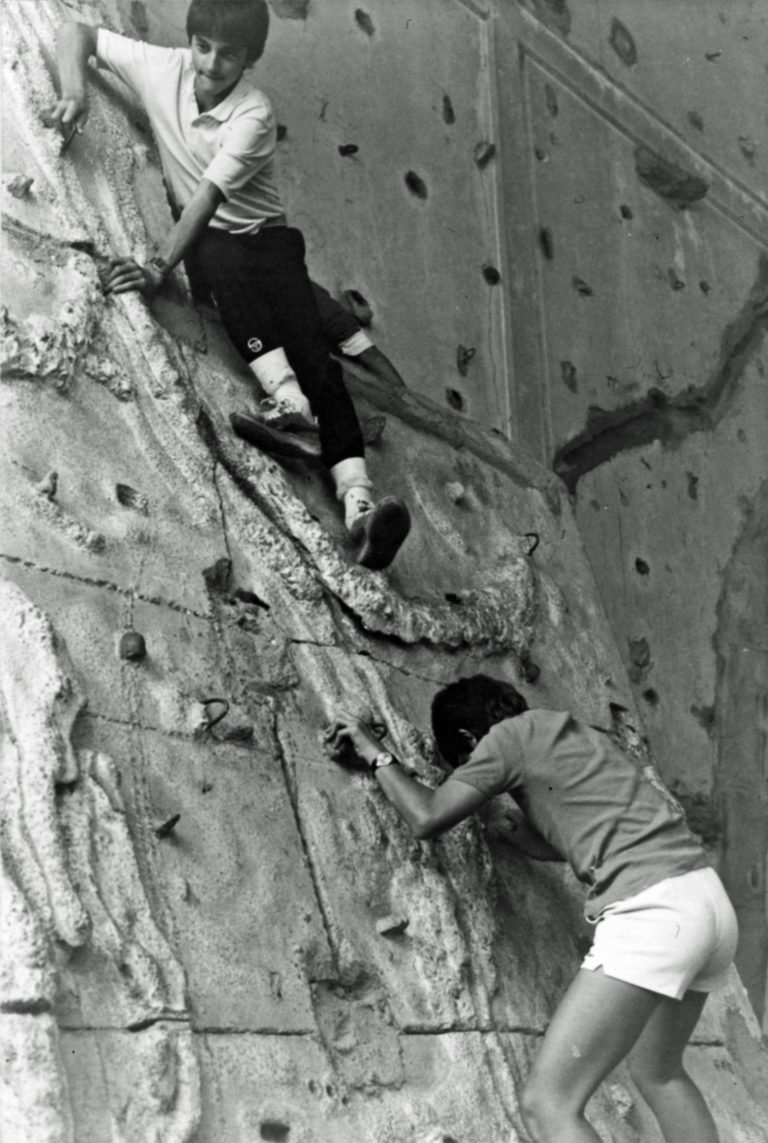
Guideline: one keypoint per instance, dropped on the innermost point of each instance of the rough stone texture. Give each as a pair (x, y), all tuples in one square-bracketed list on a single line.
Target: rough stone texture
[(228, 979)]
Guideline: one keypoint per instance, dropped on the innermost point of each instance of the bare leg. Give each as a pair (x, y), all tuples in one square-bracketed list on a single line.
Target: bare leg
[(595, 1026), (656, 1065)]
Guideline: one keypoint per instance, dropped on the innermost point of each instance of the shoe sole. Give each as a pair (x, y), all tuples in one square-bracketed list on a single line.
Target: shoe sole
[(296, 446), (277, 443), (387, 526)]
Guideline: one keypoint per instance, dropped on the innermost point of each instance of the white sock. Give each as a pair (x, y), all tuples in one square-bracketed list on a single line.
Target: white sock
[(277, 379), (356, 501), (350, 473), (273, 370)]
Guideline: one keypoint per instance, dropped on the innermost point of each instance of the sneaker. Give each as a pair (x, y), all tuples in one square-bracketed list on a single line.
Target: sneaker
[(277, 442), (379, 532), (283, 415)]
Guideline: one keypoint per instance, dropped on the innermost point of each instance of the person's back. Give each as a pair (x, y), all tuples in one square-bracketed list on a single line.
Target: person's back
[(665, 931), (619, 829)]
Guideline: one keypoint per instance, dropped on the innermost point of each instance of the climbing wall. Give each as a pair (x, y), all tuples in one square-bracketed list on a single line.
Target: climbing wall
[(557, 213), (637, 203), (211, 932)]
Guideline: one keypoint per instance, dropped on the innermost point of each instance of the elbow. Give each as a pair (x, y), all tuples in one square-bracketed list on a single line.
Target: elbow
[(423, 827)]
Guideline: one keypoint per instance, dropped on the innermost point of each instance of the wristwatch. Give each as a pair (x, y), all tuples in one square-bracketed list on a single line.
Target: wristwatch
[(159, 264), (384, 758)]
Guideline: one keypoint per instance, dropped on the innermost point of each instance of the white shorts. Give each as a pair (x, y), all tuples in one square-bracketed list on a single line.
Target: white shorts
[(679, 934)]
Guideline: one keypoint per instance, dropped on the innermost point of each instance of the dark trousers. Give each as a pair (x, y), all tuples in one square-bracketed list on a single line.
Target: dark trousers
[(265, 300)]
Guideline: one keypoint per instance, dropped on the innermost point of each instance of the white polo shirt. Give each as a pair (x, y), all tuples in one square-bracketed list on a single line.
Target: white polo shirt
[(232, 145)]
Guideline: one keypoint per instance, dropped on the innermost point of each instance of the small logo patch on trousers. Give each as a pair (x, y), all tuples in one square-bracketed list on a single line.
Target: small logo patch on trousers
[(255, 345)]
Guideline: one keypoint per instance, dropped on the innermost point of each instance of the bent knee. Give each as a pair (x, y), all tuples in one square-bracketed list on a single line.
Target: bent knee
[(542, 1109), (647, 1074)]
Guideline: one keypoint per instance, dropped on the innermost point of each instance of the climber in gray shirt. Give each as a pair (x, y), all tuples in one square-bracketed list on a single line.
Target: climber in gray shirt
[(665, 930)]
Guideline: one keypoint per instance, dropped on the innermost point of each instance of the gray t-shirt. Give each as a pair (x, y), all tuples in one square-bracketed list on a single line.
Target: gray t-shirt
[(618, 827)]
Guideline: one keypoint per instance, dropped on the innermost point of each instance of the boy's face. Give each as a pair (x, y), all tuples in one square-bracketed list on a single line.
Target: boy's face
[(218, 66)]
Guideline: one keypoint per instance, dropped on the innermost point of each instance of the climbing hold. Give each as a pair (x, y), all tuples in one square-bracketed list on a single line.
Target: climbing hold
[(290, 9), (250, 597), (695, 120), (212, 719), (748, 148), (454, 598), (348, 149), (483, 153), (491, 274), (282, 131), (626, 211), (359, 307), (693, 485), (130, 498), (546, 245), (217, 575), (132, 645), (704, 286), (639, 657), (651, 696), (530, 671), (551, 98), (455, 491), (449, 115), (364, 21), (392, 925), (568, 375), (415, 184), (622, 43), (455, 399), (20, 185), (166, 828), (641, 567), (274, 1131), (463, 357), (668, 180), (581, 287), (47, 486), (675, 282), (534, 539)]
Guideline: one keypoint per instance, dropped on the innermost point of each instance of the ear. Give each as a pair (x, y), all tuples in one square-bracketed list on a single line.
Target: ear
[(469, 738)]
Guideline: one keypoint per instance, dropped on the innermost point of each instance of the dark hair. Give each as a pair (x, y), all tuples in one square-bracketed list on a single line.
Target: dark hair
[(243, 22), (474, 704)]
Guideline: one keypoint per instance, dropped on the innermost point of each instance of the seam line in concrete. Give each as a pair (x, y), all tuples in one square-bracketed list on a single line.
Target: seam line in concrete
[(106, 584)]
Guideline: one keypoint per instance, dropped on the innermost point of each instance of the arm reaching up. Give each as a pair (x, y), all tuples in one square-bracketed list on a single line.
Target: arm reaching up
[(76, 44), (425, 811)]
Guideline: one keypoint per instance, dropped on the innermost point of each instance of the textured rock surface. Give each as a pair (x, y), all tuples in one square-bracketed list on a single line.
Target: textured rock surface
[(237, 975)]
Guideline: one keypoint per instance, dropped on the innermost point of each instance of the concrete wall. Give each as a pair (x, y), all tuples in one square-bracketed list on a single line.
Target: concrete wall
[(640, 320), (624, 207), (211, 932)]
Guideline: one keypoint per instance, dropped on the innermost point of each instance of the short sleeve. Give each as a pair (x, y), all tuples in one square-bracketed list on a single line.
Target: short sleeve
[(134, 62), (496, 764), (247, 144)]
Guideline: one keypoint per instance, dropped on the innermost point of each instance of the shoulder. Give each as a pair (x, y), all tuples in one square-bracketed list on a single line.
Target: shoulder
[(113, 48), (250, 103)]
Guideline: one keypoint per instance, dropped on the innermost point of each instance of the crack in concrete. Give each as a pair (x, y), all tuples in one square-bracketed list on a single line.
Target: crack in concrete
[(313, 874), (373, 658), (670, 420), (107, 585)]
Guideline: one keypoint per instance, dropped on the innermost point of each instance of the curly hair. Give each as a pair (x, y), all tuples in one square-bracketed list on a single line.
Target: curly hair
[(475, 704)]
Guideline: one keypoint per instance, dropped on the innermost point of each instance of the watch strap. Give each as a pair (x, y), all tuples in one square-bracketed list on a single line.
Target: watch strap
[(383, 758)]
